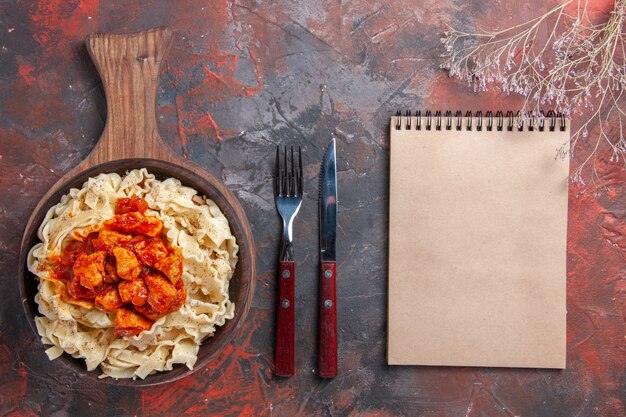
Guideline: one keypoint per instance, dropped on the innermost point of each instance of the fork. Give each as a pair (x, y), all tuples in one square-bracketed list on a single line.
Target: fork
[(288, 198)]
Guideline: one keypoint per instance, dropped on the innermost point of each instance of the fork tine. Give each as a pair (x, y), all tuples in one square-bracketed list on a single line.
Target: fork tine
[(282, 174), (292, 180), (300, 174), (277, 172), (285, 179)]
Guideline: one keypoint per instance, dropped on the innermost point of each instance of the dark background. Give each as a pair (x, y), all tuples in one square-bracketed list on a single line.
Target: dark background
[(241, 78)]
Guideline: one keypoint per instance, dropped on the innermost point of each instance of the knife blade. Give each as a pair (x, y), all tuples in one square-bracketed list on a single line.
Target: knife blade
[(327, 339)]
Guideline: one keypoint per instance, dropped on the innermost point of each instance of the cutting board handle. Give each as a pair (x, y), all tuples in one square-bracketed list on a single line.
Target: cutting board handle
[(130, 65)]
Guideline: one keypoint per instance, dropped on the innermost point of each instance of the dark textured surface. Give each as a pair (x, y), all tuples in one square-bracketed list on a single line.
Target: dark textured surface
[(241, 78)]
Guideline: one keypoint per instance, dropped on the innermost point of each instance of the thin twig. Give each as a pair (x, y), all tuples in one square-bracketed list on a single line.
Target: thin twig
[(578, 69)]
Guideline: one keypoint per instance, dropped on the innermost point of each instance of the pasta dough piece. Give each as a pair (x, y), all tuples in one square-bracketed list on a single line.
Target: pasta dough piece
[(209, 249)]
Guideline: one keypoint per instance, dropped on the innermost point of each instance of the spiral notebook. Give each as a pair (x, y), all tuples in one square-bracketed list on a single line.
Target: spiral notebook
[(477, 240)]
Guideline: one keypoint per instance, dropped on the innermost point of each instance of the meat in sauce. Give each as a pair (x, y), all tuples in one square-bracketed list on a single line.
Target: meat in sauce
[(127, 267)]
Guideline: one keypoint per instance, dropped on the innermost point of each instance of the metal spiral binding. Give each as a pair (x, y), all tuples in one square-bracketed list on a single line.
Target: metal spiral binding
[(513, 121)]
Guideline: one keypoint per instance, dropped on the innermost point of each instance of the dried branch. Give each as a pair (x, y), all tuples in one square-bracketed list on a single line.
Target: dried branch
[(578, 69)]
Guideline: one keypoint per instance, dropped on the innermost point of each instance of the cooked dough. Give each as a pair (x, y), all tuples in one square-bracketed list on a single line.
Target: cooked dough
[(209, 249)]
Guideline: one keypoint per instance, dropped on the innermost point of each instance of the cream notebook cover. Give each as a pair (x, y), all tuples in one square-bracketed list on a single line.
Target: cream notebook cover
[(477, 243)]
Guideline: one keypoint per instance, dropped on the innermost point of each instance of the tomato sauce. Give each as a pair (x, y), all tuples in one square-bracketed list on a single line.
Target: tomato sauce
[(127, 267)]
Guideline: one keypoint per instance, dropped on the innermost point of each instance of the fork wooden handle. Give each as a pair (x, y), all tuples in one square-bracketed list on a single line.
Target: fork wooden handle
[(285, 345), (327, 351)]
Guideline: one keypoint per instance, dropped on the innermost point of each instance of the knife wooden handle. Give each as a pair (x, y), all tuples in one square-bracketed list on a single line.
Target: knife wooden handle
[(327, 355), (285, 319)]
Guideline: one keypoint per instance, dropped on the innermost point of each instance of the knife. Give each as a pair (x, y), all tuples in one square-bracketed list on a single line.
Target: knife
[(327, 338)]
